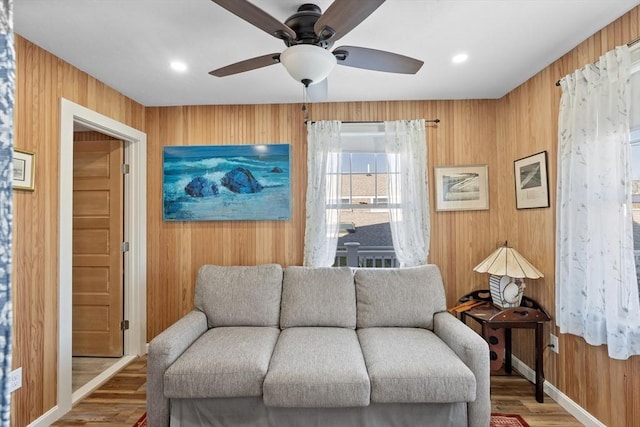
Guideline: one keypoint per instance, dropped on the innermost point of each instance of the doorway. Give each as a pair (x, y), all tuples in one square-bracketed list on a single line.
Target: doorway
[(98, 257), (135, 311)]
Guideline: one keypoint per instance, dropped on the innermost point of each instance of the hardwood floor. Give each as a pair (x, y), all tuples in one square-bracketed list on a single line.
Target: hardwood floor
[(84, 369), (121, 401), (513, 394)]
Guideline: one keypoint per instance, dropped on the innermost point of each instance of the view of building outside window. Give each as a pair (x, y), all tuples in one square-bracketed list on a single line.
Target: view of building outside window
[(364, 217)]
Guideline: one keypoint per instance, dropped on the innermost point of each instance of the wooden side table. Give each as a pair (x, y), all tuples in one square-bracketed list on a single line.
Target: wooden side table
[(530, 315)]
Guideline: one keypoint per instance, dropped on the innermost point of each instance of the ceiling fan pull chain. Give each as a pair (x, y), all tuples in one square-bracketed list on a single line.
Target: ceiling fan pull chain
[(305, 110)]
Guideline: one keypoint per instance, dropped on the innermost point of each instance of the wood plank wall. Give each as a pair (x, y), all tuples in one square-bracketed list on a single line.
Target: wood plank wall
[(527, 123), (41, 80), (492, 132), (177, 249)]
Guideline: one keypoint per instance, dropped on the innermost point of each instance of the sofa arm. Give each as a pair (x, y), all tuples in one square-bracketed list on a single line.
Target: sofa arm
[(473, 350), (164, 349)]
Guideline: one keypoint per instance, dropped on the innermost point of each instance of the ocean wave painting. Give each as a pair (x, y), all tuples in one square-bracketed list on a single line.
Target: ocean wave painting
[(226, 182)]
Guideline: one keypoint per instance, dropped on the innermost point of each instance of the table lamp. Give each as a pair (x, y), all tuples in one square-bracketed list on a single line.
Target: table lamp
[(507, 268)]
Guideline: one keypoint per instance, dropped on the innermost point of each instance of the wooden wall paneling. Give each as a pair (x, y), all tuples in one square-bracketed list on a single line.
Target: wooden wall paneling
[(41, 79), (165, 256), (282, 241), (439, 151), (30, 240), (530, 231), (632, 370), (466, 136), (527, 122), (572, 362), (599, 371), (48, 130), (154, 212), (225, 242)]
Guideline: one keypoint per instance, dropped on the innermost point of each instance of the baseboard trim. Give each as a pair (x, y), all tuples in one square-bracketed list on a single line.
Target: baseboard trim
[(47, 418), (102, 378), (54, 414), (562, 399)]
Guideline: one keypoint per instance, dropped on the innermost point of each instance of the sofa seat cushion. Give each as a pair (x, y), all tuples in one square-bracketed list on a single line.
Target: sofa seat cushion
[(414, 365), (223, 362), (317, 367)]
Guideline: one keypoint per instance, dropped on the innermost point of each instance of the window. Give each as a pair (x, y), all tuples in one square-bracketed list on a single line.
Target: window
[(364, 214), (405, 143)]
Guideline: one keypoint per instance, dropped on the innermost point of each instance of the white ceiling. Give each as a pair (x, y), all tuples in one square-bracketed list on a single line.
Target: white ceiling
[(128, 44)]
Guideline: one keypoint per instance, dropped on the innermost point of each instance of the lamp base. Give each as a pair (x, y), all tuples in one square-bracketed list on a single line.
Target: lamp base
[(506, 292)]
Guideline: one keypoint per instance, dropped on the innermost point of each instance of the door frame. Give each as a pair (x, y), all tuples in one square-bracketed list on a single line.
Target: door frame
[(135, 264)]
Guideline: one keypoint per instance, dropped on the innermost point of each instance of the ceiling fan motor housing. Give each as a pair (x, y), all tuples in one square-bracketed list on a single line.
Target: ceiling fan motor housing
[(302, 23)]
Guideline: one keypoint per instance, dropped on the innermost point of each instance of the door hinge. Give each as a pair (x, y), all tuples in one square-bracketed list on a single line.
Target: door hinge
[(124, 168), (124, 325), (124, 247)]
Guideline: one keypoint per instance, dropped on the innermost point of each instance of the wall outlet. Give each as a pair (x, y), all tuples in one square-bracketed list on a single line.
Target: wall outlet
[(15, 379), (553, 342)]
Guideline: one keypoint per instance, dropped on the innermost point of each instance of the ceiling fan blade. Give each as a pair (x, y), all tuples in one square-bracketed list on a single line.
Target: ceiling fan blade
[(247, 65), (377, 60), (343, 16), (319, 91), (258, 17)]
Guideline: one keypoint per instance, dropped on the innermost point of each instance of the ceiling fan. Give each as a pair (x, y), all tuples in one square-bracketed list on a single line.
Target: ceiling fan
[(308, 35)]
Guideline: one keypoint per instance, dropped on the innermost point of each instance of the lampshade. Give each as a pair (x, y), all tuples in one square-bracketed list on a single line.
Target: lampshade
[(506, 261), (307, 63)]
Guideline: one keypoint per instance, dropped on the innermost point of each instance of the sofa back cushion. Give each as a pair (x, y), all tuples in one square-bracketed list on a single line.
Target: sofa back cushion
[(322, 296), (239, 296), (400, 297)]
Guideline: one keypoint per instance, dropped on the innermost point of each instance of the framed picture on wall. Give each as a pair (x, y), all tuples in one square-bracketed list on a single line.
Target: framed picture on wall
[(460, 188), (226, 182), (23, 170), (532, 181)]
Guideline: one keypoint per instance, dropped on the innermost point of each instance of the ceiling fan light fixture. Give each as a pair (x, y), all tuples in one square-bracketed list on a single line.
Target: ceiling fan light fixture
[(308, 63)]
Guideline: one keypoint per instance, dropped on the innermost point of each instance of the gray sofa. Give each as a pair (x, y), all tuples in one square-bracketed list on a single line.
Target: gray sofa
[(318, 347)]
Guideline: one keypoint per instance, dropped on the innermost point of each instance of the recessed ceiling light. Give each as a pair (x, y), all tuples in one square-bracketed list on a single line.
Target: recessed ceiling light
[(459, 58), (178, 66)]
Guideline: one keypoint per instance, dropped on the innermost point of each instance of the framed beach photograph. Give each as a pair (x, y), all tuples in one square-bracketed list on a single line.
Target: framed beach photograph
[(532, 181), (23, 170), (226, 182), (460, 188)]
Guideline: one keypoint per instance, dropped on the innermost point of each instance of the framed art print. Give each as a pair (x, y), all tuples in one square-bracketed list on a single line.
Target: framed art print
[(460, 188), (23, 170), (532, 181)]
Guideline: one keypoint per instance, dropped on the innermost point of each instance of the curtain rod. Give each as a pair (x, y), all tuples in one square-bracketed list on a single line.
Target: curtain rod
[(631, 43), (373, 122)]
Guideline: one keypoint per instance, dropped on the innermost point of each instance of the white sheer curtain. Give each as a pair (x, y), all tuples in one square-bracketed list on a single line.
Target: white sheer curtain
[(406, 148), (323, 193), (596, 285)]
